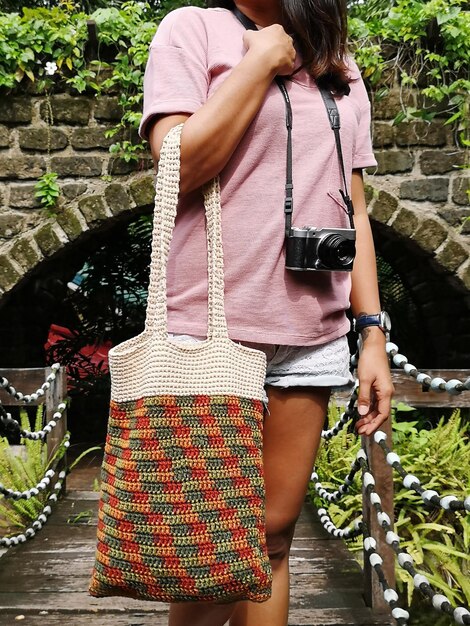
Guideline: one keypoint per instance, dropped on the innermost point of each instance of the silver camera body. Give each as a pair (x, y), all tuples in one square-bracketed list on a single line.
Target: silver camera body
[(320, 249)]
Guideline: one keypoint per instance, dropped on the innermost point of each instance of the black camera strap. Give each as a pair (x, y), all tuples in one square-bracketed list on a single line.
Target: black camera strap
[(333, 116)]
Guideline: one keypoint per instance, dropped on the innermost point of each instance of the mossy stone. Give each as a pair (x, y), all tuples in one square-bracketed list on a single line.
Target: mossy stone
[(143, 191)]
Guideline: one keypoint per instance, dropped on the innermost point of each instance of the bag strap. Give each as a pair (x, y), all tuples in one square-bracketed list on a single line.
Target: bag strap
[(166, 202)]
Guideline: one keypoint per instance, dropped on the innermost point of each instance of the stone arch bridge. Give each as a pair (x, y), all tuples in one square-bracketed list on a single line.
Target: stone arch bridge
[(418, 203)]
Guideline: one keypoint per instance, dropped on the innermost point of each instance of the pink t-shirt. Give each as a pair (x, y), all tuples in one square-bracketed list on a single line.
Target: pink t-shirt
[(192, 53)]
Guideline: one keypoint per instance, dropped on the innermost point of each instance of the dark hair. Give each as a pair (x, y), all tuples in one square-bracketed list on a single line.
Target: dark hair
[(320, 28)]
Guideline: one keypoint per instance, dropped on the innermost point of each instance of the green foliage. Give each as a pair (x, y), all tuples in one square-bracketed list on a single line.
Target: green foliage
[(425, 45), (20, 473), (437, 540), (47, 190), (109, 304), (23, 471), (37, 36), (88, 6)]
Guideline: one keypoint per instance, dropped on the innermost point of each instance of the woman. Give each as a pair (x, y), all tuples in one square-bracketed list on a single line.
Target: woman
[(207, 71)]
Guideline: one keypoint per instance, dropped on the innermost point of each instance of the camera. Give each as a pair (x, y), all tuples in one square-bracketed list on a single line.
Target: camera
[(320, 249)]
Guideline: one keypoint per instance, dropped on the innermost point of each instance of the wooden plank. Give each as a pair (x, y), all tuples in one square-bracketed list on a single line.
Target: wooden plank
[(303, 617), (48, 618), (72, 601), (383, 475), (25, 380), (56, 394), (409, 391), (307, 592), (52, 573), (338, 617), (73, 513)]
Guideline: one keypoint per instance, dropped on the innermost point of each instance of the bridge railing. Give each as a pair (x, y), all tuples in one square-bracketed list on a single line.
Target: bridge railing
[(49, 389), (376, 463)]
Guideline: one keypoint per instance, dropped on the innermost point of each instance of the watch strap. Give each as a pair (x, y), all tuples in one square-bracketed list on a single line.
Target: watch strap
[(367, 320), (382, 320)]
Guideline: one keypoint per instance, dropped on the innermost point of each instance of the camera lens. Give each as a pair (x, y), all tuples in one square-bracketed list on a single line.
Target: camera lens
[(335, 251)]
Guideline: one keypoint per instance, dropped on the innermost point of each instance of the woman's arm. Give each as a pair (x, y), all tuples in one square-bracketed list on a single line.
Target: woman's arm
[(375, 383), (212, 133)]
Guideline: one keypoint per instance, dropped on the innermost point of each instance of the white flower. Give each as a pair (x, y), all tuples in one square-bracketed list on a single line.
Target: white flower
[(51, 68)]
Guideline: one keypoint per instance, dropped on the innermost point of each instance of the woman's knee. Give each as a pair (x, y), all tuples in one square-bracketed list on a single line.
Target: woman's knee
[(279, 538)]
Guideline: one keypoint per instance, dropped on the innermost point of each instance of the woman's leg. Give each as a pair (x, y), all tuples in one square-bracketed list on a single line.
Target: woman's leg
[(292, 433), (199, 614)]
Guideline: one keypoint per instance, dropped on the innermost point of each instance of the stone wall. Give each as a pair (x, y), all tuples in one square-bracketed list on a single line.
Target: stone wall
[(417, 197), (421, 166)]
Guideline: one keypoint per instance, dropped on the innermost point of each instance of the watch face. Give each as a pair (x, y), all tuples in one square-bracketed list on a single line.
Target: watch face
[(385, 321)]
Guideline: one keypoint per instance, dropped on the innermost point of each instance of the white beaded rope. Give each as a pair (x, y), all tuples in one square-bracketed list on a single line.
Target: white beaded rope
[(333, 496), (31, 492), (390, 594), (429, 496), (42, 434), (345, 416), (438, 384), (406, 561), (32, 397), (341, 533), (30, 532)]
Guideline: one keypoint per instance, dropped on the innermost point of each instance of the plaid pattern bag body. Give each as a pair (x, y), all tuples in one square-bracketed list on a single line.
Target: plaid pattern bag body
[(181, 512)]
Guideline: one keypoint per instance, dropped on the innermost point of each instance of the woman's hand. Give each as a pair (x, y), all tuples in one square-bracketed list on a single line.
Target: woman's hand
[(274, 48), (375, 383)]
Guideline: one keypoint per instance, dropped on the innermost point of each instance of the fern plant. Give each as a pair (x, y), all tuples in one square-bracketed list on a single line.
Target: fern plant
[(25, 471), (437, 540), (21, 473)]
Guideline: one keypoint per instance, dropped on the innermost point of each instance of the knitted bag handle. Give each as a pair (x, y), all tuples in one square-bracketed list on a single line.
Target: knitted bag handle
[(166, 201)]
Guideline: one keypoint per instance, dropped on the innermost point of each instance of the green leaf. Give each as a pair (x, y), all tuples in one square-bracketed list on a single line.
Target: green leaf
[(403, 407), (449, 14), (399, 118), (453, 118), (440, 548)]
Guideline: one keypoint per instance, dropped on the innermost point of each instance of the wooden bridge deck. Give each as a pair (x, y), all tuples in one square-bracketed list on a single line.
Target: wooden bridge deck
[(45, 580)]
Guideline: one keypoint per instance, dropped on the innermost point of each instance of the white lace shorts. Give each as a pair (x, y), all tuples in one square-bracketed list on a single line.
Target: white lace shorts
[(326, 365)]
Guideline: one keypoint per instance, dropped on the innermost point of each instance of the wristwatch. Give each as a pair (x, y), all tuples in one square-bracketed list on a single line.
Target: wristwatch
[(382, 320)]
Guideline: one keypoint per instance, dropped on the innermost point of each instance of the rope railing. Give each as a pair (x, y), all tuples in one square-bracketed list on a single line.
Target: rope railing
[(41, 485), (437, 384), (405, 560), (429, 496), (31, 492), (440, 602), (333, 496), (370, 550), (342, 533), (32, 397), (460, 614), (390, 595), (30, 532), (345, 417), (8, 423)]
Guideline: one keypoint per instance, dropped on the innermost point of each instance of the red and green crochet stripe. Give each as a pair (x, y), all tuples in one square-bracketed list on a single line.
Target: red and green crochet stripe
[(181, 512)]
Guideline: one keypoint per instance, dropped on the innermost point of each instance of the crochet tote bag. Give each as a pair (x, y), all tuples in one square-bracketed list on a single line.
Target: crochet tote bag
[(181, 511)]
